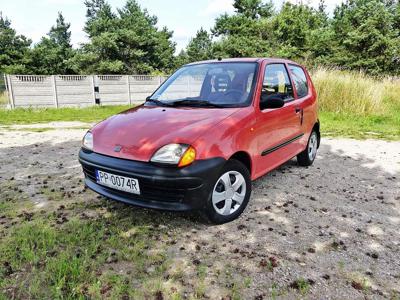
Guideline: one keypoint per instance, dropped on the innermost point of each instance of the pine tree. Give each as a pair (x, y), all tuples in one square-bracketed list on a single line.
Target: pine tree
[(124, 42), (60, 34), (253, 9), (364, 36), (200, 47), (52, 54), (14, 49)]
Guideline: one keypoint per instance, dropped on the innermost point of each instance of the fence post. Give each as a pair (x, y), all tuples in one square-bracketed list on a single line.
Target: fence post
[(6, 84), (93, 90), (129, 89), (10, 91), (53, 80), (159, 80)]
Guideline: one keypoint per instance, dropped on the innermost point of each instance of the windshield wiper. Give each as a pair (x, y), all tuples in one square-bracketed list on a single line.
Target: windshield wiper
[(195, 103), (158, 102)]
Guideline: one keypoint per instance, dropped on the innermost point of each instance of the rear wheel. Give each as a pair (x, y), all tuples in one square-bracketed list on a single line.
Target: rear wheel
[(230, 193), (307, 157)]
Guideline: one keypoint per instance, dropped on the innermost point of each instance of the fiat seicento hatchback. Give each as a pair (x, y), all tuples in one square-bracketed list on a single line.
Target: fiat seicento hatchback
[(201, 138)]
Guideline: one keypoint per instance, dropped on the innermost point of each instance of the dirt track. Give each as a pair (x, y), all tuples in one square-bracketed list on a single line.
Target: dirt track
[(327, 231)]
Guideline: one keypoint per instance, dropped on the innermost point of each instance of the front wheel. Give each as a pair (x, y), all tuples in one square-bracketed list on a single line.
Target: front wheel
[(230, 193), (307, 157)]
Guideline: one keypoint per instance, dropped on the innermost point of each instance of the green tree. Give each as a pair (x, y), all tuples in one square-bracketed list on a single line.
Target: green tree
[(125, 42), (14, 49), (243, 34), (52, 54), (254, 9), (200, 47), (365, 36), (294, 29), (181, 59)]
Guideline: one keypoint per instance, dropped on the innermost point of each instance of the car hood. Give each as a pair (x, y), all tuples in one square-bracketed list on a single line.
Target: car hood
[(143, 130)]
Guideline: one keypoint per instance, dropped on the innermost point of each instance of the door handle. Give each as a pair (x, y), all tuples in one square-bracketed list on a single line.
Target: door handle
[(300, 111)]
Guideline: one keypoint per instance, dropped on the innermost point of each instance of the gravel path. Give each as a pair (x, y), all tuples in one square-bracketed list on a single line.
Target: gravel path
[(329, 231)]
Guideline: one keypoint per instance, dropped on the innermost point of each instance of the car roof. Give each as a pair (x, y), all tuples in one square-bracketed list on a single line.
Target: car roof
[(244, 59)]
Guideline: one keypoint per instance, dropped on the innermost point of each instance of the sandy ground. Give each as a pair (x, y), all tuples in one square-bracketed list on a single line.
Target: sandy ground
[(334, 225)]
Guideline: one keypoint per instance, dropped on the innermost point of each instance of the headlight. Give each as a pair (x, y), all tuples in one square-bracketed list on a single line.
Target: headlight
[(87, 141), (175, 154)]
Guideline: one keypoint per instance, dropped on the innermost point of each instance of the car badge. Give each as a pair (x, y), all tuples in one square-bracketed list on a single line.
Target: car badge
[(117, 148)]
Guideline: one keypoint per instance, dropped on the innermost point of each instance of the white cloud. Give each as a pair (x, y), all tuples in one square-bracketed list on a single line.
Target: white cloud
[(182, 33), (217, 7), (182, 36), (78, 36), (62, 2)]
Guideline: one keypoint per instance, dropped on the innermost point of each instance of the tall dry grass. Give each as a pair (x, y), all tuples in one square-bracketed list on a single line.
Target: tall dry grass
[(355, 93), (3, 98)]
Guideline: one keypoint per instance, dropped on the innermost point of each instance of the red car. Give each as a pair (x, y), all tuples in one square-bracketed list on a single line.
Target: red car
[(201, 138)]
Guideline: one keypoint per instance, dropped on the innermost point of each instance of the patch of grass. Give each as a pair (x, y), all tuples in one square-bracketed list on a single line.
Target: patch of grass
[(13, 201), (83, 257), (355, 105), (341, 265), (247, 282), (361, 127), (274, 291), (31, 115), (358, 281), (42, 129), (302, 285), (3, 98), (200, 288)]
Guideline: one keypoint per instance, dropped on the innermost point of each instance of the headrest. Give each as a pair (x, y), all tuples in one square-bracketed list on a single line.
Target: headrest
[(222, 82)]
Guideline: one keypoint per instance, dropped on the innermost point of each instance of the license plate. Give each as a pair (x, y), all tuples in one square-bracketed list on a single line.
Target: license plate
[(122, 183)]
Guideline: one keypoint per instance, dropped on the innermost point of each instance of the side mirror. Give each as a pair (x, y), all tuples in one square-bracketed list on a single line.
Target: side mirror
[(271, 101), (148, 98)]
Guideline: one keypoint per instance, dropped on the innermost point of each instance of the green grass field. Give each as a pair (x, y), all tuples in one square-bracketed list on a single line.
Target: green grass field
[(360, 127), (31, 116)]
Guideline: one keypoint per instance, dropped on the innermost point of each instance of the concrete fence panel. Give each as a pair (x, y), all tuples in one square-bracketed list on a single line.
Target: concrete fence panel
[(141, 86), (113, 89), (79, 90), (29, 90), (74, 90)]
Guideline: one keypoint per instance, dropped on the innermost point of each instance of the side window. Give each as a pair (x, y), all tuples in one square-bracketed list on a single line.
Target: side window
[(300, 80), (276, 82)]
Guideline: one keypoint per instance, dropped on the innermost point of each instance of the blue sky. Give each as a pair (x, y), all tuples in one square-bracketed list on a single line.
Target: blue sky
[(34, 18)]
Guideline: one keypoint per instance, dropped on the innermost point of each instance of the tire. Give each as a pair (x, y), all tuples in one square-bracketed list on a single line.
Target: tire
[(307, 157), (222, 207)]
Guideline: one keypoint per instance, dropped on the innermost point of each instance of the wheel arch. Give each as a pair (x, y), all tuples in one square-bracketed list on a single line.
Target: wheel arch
[(316, 127), (244, 158)]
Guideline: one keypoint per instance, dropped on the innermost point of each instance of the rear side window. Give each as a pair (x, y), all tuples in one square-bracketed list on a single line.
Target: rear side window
[(300, 80), (276, 82)]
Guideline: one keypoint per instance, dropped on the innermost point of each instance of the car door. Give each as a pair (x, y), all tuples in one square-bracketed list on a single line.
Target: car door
[(305, 98), (279, 129)]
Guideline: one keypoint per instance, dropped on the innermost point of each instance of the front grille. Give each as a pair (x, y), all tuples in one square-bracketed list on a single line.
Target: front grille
[(148, 191)]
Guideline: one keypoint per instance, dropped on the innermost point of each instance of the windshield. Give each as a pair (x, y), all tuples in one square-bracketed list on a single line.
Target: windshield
[(209, 84)]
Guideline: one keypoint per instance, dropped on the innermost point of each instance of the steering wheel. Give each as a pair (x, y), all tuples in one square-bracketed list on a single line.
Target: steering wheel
[(239, 93)]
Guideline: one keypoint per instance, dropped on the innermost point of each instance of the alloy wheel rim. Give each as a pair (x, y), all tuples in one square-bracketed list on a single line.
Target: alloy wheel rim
[(229, 193), (312, 146)]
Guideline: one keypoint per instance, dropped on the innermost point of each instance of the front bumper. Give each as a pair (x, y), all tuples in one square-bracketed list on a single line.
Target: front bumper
[(161, 187)]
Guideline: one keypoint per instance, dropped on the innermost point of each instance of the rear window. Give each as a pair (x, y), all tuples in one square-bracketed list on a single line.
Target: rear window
[(300, 80)]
